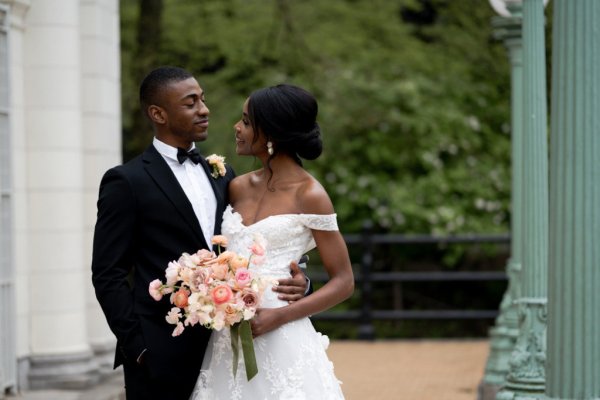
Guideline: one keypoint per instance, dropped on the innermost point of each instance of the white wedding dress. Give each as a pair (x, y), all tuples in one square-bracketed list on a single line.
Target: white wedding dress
[(292, 363)]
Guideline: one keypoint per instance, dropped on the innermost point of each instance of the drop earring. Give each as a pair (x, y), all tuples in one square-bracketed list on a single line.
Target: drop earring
[(270, 148)]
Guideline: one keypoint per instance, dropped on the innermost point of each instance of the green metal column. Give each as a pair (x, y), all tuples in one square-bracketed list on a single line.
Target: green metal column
[(504, 334), (526, 376), (574, 265)]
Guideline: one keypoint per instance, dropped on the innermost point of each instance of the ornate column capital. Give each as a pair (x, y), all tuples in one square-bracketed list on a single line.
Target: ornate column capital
[(18, 11)]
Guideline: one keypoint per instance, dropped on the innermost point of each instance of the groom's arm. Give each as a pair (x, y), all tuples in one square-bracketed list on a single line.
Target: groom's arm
[(112, 261)]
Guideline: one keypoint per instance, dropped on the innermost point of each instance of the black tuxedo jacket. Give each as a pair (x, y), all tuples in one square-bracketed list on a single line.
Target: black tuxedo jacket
[(144, 221)]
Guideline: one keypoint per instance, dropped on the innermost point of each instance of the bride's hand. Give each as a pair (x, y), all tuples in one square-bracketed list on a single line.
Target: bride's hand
[(265, 320)]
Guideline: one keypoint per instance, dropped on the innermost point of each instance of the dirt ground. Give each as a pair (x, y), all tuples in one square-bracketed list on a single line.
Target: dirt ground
[(380, 370), (410, 370)]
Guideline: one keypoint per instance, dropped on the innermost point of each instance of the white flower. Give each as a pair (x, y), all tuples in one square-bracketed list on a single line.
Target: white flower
[(218, 165), (172, 273), (173, 316)]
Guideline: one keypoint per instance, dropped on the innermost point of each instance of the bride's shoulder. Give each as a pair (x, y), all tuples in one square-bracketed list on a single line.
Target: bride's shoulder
[(313, 198), (238, 185)]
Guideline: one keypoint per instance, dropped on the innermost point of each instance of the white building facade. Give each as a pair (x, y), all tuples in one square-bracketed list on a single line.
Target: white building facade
[(60, 129)]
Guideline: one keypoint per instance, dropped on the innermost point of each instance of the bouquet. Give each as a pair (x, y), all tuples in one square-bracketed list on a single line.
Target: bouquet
[(216, 291)]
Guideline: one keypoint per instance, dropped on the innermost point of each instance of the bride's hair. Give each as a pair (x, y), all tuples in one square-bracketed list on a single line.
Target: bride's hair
[(286, 115)]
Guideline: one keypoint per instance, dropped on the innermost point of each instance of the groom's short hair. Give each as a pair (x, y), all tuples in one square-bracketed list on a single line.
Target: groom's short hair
[(156, 81)]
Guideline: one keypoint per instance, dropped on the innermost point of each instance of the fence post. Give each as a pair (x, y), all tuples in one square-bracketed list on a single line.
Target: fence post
[(365, 329)]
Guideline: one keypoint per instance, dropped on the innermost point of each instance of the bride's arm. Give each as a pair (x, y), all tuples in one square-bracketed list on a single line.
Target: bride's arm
[(334, 255)]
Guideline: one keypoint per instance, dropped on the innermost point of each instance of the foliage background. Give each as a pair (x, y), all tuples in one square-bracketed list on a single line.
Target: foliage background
[(413, 97), (414, 109)]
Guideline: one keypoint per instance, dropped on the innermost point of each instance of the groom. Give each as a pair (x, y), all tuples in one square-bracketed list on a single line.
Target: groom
[(150, 210)]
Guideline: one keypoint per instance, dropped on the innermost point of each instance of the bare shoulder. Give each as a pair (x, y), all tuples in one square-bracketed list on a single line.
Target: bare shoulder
[(238, 186), (313, 198)]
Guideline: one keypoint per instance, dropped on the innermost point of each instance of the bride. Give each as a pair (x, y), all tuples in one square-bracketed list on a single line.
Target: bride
[(292, 211)]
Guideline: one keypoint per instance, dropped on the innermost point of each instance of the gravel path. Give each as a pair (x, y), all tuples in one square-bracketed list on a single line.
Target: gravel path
[(380, 370), (410, 370)]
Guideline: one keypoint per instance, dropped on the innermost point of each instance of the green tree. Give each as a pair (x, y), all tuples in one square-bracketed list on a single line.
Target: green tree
[(413, 97)]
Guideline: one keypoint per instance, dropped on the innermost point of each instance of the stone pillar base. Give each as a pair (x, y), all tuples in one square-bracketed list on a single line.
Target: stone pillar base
[(63, 371), (487, 391), (104, 354)]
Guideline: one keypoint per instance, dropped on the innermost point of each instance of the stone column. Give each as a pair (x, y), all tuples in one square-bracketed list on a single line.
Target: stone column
[(526, 377), (54, 278), (574, 263), (504, 334), (8, 360), (101, 140)]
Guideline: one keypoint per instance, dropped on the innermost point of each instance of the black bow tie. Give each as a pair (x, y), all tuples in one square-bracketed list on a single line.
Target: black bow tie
[(193, 155)]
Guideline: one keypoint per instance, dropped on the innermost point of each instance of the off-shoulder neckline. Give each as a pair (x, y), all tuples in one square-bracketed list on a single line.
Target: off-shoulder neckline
[(232, 211)]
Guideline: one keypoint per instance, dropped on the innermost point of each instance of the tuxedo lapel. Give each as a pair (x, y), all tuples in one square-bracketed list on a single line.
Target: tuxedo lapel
[(164, 178), (218, 195)]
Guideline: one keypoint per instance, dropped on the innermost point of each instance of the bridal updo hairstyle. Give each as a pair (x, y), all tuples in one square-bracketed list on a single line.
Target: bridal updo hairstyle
[(287, 116)]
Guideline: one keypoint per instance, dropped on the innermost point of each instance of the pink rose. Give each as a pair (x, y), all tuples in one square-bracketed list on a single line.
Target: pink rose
[(250, 298), (243, 277), (154, 289), (258, 260), (221, 294), (257, 249)]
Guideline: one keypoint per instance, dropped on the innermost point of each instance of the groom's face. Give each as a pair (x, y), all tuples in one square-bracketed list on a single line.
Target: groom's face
[(186, 113)]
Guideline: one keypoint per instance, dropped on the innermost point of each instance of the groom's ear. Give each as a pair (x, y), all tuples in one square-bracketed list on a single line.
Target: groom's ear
[(157, 114)]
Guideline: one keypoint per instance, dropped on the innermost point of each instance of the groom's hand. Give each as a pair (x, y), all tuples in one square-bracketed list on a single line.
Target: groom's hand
[(294, 288)]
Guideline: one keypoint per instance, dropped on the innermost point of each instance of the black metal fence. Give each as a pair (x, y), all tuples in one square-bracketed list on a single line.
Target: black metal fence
[(366, 277)]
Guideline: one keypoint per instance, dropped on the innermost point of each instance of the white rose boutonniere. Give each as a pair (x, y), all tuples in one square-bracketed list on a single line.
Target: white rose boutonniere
[(218, 165)]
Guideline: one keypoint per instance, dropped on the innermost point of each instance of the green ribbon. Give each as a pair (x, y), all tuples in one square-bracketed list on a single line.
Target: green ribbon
[(242, 331)]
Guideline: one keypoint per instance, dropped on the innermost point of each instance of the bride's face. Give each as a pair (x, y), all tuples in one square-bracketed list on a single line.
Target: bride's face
[(245, 141)]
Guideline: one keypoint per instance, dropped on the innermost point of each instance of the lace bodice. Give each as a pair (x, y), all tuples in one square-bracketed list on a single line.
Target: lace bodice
[(288, 236)]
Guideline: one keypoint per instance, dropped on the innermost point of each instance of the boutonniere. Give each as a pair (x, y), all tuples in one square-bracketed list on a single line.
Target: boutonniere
[(218, 165)]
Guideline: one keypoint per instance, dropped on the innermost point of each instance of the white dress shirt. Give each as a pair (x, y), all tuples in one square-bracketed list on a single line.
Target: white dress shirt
[(193, 180)]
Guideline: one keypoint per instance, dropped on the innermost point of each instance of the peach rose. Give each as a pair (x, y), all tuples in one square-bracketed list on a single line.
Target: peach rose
[(180, 298), (221, 294), (219, 271), (238, 262), (224, 257), (219, 240), (232, 315)]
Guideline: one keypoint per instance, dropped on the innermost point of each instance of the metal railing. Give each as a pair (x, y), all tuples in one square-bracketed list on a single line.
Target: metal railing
[(366, 277)]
